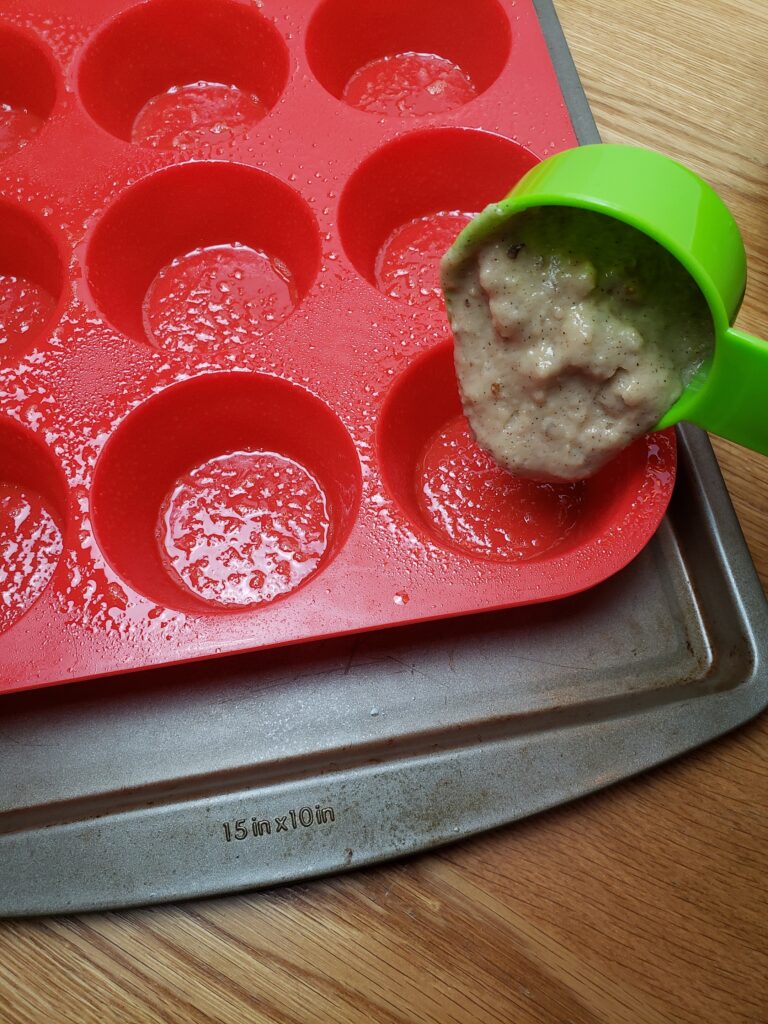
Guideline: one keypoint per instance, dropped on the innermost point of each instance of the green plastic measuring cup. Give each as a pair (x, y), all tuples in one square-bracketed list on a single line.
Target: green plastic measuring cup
[(671, 204)]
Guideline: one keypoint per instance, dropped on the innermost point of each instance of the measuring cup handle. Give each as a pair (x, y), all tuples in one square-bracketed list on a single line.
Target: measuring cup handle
[(734, 403)]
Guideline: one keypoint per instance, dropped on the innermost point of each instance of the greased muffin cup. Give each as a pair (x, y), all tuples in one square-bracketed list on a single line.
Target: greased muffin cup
[(229, 413)]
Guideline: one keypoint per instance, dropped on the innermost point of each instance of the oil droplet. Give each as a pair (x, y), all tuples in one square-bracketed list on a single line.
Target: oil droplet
[(24, 307), (187, 115), (479, 507), (220, 292), (401, 597), (17, 127), (244, 528), (30, 548), (409, 84), (408, 264)]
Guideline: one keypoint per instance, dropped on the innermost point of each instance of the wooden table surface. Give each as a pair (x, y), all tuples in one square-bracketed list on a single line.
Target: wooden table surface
[(644, 904)]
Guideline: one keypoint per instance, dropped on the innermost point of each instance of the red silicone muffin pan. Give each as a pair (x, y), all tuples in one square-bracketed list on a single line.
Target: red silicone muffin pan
[(229, 416)]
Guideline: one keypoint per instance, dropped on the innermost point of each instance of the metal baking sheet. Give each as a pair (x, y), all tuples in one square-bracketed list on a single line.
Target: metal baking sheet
[(272, 767)]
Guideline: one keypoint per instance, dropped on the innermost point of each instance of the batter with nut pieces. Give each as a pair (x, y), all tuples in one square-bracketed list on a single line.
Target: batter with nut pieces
[(574, 333)]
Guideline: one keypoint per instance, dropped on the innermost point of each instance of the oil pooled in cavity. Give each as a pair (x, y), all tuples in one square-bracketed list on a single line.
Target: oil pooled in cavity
[(408, 264), (481, 508), (217, 293), (244, 528), (24, 307), (17, 127), (409, 84), (187, 115), (30, 548)]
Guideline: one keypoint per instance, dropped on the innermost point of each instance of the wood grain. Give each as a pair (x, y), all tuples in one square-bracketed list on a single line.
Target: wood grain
[(643, 905)]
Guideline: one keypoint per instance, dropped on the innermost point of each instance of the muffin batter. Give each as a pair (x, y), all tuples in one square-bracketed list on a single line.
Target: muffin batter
[(574, 333)]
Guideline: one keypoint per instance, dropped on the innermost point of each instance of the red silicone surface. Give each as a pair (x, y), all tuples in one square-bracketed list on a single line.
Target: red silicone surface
[(229, 416)]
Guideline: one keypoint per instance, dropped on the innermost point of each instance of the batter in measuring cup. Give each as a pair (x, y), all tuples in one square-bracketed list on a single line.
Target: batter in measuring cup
[(574, 333)]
